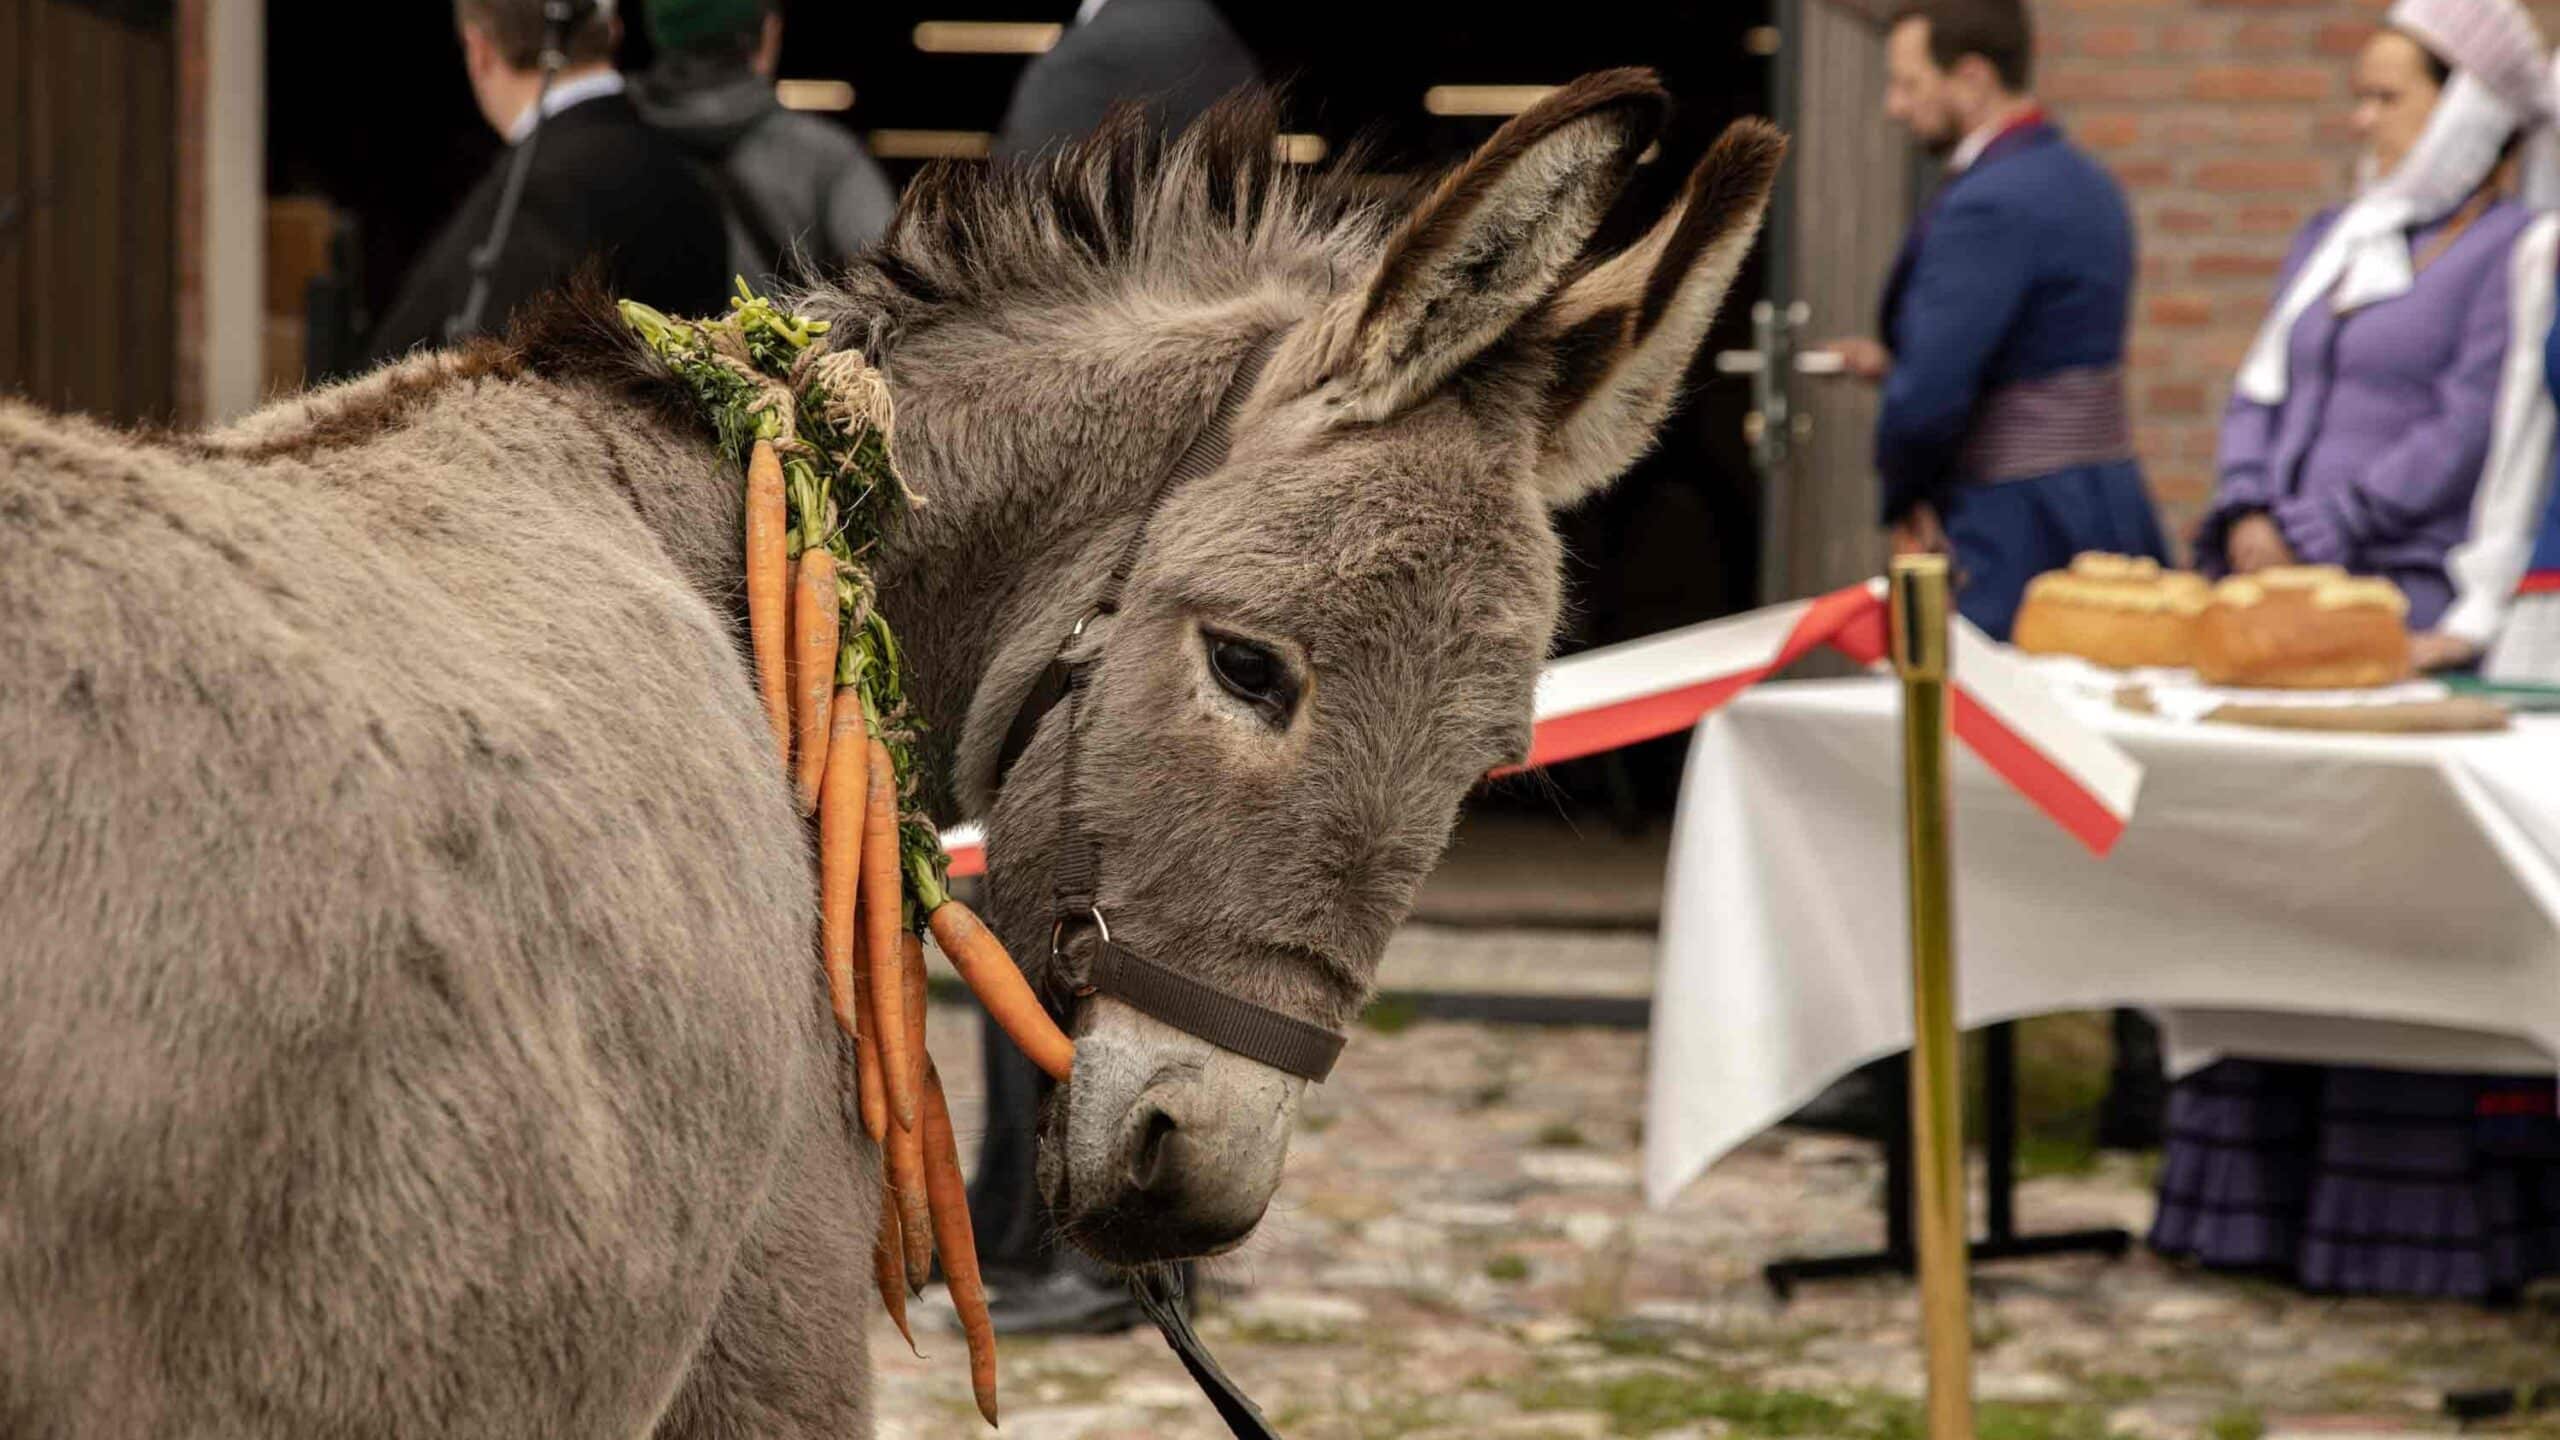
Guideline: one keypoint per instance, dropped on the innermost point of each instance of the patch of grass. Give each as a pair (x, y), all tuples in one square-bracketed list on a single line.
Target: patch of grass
[(1599, 1297), (2113, 1388), (1561, 1135), (1400, 1415), (2038, 1422), (1489, 1094), (2470, 1359), (1644, 1404), (1629, 1339), (1316, 1122), (1647, 1404), (2042, 1153), (2359, 1384), (2194, 1368), (2239, 1422), (1266, 1332), (1430, 1301), (1507, 1268), (1990, 1334), (1783, 1345), (1071, 1387), (1390, 1014), (2063, 1063)]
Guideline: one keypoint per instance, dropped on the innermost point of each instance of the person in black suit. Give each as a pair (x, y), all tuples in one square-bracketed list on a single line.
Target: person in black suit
[(1177, 58), (601, 185)]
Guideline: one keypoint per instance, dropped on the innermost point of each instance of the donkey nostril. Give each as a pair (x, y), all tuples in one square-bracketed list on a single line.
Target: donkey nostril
[(1147, 1162)]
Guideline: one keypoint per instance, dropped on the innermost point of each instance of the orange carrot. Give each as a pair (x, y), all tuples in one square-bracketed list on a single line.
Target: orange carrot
[(840, 815), (959, 1247), (911, 988), (908, 1193), (873, 1092), (890, 1273), (881, 895), (769, 587), (813, 669), (841, 803), (997, 982)]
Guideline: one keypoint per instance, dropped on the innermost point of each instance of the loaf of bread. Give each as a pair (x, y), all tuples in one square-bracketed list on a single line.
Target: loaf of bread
[(2304, 627), (2120, 611)]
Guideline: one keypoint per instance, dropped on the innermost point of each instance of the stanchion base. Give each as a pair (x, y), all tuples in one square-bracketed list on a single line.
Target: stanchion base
[(1784, 1275), (2492, 1404)]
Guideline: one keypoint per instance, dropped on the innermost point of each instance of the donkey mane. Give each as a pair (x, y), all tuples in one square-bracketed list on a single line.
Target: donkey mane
[(573, 335), (1212, 209)]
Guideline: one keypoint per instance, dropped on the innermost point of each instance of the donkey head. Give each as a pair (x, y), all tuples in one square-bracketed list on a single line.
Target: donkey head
[(1325, 641)]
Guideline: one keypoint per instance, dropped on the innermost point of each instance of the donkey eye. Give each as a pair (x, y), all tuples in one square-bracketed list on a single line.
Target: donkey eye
[(1251, 673)]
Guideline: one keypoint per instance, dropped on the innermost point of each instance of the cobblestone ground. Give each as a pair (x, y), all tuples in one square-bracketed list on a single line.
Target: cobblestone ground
[(1459, 1250)]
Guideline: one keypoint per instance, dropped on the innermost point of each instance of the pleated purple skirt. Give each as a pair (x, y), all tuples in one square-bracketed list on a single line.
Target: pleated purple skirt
[(2363, 1182)]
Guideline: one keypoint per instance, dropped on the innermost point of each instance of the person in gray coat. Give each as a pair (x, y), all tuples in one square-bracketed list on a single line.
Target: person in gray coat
[(801, 195)]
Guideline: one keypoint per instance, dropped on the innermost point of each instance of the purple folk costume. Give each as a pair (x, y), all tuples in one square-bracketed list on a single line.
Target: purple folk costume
[(2360, 425), (2370, 458)]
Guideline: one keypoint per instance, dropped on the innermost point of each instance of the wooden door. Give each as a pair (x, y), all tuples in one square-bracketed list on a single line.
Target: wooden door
[(1846, 196), (88, 204)]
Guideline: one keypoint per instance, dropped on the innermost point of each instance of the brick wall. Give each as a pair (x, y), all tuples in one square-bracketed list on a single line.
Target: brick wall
[(2226, 121)]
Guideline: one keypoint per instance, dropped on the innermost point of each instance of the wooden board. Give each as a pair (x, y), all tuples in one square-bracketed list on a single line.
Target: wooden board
[(2453, 715), (88, 273)]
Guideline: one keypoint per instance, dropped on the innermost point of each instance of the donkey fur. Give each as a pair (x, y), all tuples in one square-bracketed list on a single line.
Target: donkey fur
[(411, 1026)]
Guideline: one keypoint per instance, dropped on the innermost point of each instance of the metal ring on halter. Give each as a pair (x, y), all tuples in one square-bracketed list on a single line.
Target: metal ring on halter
[(1058, 931)]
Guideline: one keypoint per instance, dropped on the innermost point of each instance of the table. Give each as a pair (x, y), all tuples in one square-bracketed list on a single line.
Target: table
[(2381, 900)]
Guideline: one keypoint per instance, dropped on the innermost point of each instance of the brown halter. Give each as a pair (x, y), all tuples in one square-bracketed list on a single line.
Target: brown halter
[(1231, 1022)]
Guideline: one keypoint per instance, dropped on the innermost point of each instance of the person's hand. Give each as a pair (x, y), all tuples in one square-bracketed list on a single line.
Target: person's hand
[(2255, 543), (1866, 359), (2437, 650), (1919, 533)]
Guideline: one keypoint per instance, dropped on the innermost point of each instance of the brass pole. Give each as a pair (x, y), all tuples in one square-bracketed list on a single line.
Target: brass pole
[(1920, 654)]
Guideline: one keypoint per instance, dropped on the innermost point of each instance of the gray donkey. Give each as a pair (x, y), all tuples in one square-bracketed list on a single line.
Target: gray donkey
[(409, 1023)]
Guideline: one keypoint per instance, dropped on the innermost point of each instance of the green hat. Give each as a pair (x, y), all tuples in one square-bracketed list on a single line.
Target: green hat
[(687, 24)]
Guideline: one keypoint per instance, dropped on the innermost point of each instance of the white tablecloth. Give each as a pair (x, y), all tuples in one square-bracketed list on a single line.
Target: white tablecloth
[(2408, 886)]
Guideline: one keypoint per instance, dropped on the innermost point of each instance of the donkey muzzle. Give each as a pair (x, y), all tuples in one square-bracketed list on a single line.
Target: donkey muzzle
[(1170, 1147)]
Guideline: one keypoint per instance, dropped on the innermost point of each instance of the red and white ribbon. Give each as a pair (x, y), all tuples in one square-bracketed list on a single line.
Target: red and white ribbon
[(1614, 697)]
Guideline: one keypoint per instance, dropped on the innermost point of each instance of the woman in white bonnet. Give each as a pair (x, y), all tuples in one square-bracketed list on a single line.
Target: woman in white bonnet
[(2506, 610), (2361, 414), (2356, 436)]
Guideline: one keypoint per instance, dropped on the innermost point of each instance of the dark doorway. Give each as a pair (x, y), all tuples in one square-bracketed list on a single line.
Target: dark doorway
[(88, 206)]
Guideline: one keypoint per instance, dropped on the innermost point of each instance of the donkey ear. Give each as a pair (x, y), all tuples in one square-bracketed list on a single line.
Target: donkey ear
[(1625, 330), (1489, 243)]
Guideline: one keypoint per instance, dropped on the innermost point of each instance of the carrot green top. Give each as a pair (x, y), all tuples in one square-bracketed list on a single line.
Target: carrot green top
[(763, 374)]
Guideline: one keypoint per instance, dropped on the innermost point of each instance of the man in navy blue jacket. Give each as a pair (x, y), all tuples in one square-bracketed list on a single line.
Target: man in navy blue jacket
[(2003, 436)]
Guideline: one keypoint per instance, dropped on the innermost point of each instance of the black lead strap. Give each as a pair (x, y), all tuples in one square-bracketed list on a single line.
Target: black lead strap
[(1159, 1293)]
